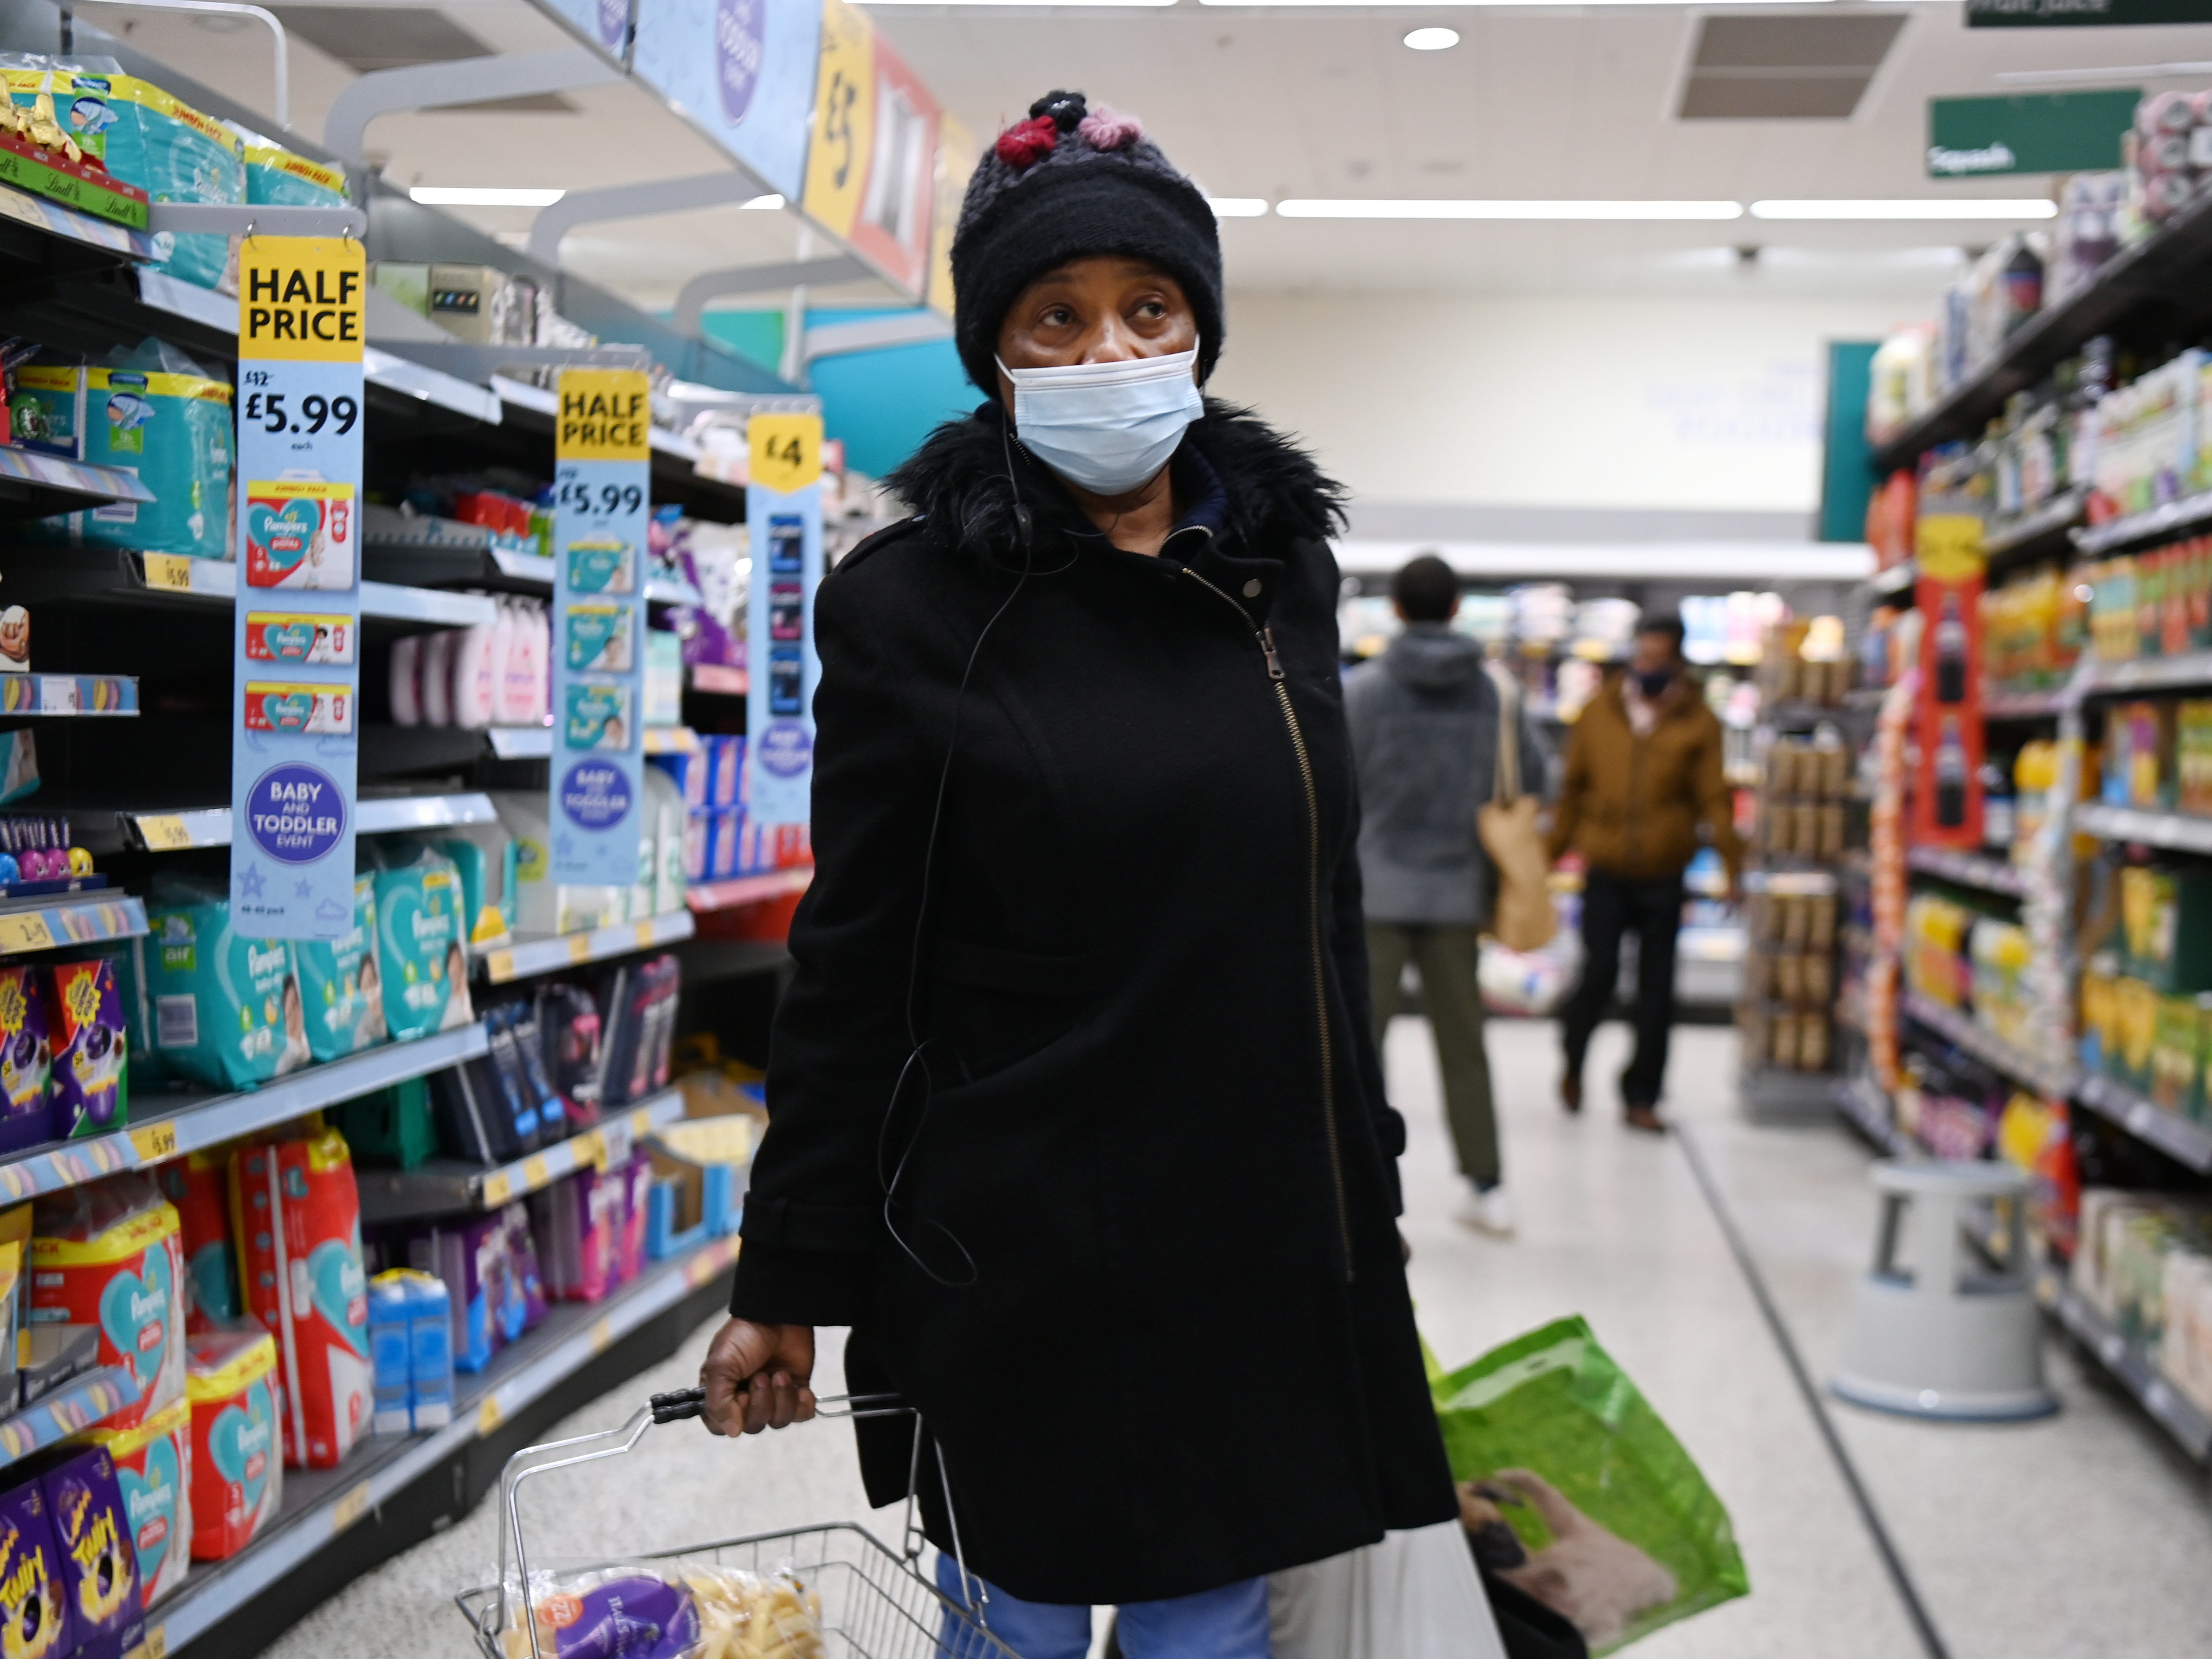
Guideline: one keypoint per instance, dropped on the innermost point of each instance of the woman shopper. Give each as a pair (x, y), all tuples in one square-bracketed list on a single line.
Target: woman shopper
[(1076, 1118)]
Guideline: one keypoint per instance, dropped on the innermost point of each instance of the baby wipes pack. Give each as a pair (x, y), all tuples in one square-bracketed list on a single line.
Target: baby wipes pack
[(90, 1089), (420, 955), (223, 1004), (26, 1117), (33, 1598), (283, 180), (296, 1215), (148, 138), (99, 1568), (338, 983), (153, 1472), (198, 1186), (234, 1474), (110, 1255)]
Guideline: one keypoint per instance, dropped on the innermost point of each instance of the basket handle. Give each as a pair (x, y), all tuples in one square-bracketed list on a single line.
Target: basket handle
[(676, 1406)]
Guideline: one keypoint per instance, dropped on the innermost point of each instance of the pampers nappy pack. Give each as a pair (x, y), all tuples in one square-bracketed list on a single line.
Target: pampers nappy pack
[(33, 1594), (90, 1088), (99, 1569), (198, 1186), (338, 983), (296, 1215), (421, 953), (25, 1118), (153, 1472), (283, 180), (300, 534), (234, 1476), (109, 1255), (220, 999)]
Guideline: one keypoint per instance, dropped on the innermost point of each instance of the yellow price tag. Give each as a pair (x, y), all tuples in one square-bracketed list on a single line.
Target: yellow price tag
[(301, 300), (153, 1141), (580, 947), (640, 1122), (1948, 546), (488, 1415), (606, 416), (350, 1508), (535, 1174), (171, 572), (645, 935), (603, 1336), (592, 1148), (25, 932), (499, 1186), (787, 450), (164, 833), (499, 964), (155, 1646)]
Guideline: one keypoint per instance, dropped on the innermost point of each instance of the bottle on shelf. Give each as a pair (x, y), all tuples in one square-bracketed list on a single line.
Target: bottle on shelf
[(1951, 654), (1950, 776)]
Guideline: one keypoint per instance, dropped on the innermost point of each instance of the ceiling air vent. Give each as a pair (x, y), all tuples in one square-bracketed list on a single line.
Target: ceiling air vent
[(1784, 69), (367, 37)]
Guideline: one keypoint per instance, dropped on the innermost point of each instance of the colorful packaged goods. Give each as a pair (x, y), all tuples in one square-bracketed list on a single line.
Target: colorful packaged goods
[(339, 990), (25, 1114), (153, 1471), (236, 1477), (637, 1205), (296, 1216), (280, 178), (422, 953), (198, 1185), (34, 1592), (2166, 912), (109, 1255), (224, 1005), (100, 1569), (90, 1085), (471, 1260), (579, 1222)]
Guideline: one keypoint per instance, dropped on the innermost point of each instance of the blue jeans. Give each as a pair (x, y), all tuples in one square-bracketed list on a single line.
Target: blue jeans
[(1229, 1623)]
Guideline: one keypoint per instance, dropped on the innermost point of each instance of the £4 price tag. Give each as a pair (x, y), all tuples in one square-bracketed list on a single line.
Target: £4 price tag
[(786, 450)]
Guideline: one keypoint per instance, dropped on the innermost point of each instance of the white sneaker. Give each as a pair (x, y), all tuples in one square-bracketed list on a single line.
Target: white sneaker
[(1489, 1211)]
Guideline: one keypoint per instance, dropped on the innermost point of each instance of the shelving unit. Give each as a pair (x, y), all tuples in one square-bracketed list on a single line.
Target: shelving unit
[(747, 889), (1986, 1046), (2191, 1429), (2183, 1139), (209, 826), (2190, 512), (83, 1402), (37, 486), (1865, 1107), (2182, 832), (2026, 536), (446, 1187), (1990, 875), (1898, 579), (527, 958)]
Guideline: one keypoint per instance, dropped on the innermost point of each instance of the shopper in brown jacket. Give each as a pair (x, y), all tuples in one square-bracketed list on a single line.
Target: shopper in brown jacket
[(1643, 772)]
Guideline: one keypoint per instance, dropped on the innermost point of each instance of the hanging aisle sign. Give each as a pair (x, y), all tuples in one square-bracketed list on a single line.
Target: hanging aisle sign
[(601, 455), (783, 513), (295, 659)]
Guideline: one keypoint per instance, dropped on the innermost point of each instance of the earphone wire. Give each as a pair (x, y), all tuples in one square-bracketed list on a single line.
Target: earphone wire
[(916, 1045)]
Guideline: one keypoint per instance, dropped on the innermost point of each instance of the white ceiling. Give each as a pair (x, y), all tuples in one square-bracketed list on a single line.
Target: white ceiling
[(1535, 101)]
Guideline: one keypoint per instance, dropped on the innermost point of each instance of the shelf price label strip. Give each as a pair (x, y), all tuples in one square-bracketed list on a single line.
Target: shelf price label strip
[(602, 462), (295, 662)]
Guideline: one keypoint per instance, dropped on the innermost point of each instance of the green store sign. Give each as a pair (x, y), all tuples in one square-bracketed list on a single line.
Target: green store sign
[(2077, 13), (2036, 132)]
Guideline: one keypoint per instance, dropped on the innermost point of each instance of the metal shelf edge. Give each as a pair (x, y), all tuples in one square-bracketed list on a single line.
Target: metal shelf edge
[(544, 956)]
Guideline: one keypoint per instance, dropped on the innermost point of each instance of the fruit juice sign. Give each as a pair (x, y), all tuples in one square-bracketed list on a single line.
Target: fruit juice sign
[(601, 458), (295, 668)]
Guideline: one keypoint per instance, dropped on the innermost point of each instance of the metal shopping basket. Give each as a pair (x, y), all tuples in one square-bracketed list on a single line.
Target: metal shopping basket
[(877, 1603)]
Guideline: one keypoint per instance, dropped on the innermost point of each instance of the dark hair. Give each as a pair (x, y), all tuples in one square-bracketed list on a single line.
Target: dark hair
[(1426, 588), (1662, 622)]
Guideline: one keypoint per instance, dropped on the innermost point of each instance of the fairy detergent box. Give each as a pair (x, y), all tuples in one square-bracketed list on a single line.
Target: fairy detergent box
[(99, 1568), (198, 1184), (296, 1215), (109, 1255), (145, 137), (300, 533), (236, 1477), (35, 1615), (219, 998), (338, 983), (153, 1472)]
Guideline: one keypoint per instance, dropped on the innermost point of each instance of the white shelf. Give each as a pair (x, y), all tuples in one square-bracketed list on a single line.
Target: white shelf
[(412, 379), (704, 895), (433, 605), (446, 1187), (2180, 1139), (1988, 1047), (1991, 875), (526, 567), (2173, 1410), (319, 1505), (55, 484), (177, 832), (2147, 674), (2170, 519), (521, 742), (89, 916), (2184, 832), (661, 590), (543, 955), (177, 1124), (2024, 705), (79, 1404)]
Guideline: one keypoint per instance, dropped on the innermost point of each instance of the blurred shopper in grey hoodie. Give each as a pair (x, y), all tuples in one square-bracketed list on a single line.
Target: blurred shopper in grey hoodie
[(1424, 717)]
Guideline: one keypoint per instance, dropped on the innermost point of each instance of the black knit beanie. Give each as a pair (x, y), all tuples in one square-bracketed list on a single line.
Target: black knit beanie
[(1067, 183)]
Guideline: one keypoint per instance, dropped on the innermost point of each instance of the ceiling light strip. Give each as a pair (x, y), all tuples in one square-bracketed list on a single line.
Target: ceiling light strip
[(482, 196), (1320, 208), (1962, 207)]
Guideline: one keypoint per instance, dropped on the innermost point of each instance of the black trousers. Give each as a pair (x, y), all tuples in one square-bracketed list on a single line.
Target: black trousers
[(1611, 907)]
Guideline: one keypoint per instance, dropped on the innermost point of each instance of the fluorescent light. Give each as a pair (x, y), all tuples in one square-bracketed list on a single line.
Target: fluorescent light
[(1018, 2), (2121, 72), (1435, 40), (1408, 4), (482, 196), (768, 201), (1238, 207), (1320, 208), (1918, 207)]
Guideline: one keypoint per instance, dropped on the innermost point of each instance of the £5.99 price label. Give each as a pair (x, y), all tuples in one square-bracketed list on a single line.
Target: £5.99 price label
[(297, 672)]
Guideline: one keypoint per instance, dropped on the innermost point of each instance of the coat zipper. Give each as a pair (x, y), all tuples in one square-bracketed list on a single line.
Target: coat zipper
[(1275, 675)]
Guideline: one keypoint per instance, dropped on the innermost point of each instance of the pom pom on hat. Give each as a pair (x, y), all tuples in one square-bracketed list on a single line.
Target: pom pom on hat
[(1025, 143), (1108, 129)]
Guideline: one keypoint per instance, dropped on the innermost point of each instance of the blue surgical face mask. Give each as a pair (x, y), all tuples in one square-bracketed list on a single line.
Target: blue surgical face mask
[(1107, 428)]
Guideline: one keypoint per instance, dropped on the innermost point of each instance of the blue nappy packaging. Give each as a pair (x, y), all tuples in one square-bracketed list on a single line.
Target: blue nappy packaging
[(158, 415), (390, 1354), (227, 1009), (276, 176), (484, 856), (339, 983), (421, 952)]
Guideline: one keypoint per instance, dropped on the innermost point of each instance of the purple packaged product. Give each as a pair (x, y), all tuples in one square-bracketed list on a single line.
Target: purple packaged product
[(89, 1043), (630, 1618), (471, 1260), (637, 1198), (522, 1259), (34, 1596), (26, 1111), (569, 1034), (99, 1571), (530, 1127)]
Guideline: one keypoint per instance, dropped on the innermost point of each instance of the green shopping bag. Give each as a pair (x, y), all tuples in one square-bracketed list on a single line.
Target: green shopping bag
[(1572, 1489)]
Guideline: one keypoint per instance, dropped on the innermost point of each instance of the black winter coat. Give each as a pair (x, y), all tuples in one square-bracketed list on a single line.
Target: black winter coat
[(1149, 1298)]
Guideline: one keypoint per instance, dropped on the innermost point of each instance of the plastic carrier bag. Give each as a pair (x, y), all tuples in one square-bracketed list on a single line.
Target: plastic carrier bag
[(666, 1611), (1571, 1488)]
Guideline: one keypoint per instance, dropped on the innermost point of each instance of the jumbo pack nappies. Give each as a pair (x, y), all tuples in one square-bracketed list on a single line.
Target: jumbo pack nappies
[(234, 1474), (109, 1255), (338, 982), (153, 1471), (157, 414), (422, 953), (228, 1010)]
